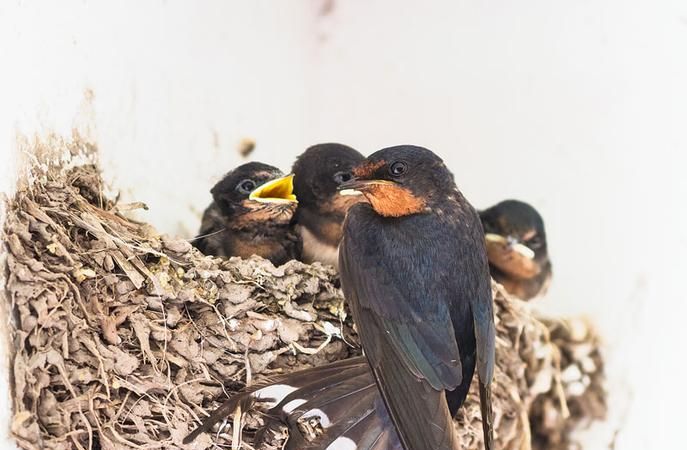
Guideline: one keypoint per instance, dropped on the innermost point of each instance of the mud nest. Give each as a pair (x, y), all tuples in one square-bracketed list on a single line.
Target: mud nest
[(123, 338)]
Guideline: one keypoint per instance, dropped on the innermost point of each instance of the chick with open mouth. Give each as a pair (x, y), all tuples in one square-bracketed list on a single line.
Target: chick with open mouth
[(251, 214)]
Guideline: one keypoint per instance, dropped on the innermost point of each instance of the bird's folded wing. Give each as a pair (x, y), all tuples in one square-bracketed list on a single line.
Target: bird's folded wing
[(409, 340), (485, 336)]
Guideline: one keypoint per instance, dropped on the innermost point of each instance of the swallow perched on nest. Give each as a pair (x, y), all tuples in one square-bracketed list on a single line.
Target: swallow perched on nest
[(516, 245), (414, 271), (344, 395), (318, 172), (251, 214)]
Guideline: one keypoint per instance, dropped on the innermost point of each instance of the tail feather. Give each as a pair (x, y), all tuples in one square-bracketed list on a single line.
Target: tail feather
[(487, 415), (322, 390), (356, 431), (307, 382), (336, 398), (343, 395), (375, 431), (352, 415), (337, 412)]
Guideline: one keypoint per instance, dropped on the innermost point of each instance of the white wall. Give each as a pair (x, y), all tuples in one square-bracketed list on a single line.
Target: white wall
[(579, 107)]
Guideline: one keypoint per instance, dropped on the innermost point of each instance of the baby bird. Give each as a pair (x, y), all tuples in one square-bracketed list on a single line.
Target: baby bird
[(251, 214), (318, 172), (517, 250)]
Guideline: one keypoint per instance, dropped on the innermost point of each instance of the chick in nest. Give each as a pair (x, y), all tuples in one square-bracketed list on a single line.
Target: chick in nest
[(251, 214), (516, 247), (319, 172)]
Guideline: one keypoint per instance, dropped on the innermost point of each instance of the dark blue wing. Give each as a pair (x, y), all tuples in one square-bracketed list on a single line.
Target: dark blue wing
[(401, 304)]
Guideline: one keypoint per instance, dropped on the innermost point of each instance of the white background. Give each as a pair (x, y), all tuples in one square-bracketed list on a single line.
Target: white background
[(579, 107)]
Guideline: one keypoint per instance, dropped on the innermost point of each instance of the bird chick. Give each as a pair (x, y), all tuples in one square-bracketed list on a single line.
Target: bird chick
[(251, 214), (318, 172), (517, 249)]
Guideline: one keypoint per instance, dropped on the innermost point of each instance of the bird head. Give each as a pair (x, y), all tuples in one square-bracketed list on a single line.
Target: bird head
[(402, 180), (515, 238), (256, 192), (319, 172)]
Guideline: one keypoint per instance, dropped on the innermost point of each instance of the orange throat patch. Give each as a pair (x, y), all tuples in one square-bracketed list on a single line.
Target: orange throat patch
[(391, 200)]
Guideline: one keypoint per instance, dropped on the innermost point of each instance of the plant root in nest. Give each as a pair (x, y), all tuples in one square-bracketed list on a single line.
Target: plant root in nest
[(123, 338)]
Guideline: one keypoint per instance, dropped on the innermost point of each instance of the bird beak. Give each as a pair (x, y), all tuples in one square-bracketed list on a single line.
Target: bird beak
[(496, 240), (275, 191), (357, 187), (511, 256)]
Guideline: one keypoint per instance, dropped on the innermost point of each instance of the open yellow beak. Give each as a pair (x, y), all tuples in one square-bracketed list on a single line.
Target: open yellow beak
[(275, 191)]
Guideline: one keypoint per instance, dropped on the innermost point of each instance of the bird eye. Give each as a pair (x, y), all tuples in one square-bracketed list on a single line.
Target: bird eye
[(398, 168), (534, 243), (342, 177), (246, 186)]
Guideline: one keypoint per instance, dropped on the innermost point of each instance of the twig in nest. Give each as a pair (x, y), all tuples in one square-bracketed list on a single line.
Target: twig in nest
[(236, 429)]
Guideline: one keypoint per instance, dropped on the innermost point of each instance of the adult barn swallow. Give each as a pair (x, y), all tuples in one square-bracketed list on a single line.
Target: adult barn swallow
[(350, 416), (437, 308), (414, 270), (516, 246), (319, 171), (251, 214)]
